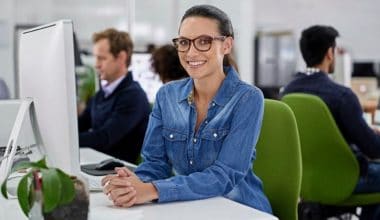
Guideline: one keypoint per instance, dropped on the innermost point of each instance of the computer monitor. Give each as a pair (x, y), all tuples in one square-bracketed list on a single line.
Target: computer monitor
[(47, 75), (364, 69), (365, 89)]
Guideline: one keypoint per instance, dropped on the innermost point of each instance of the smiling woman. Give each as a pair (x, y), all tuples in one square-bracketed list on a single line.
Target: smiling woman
[(204, 127)]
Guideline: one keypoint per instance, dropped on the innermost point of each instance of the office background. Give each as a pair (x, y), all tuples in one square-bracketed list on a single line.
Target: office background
[(152, 21)]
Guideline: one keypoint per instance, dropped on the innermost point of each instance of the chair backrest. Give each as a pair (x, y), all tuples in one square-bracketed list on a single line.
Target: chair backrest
[(330, 169), (278, 161)]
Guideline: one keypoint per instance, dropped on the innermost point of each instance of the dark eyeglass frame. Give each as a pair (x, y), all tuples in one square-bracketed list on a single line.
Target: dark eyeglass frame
[(192, 41)]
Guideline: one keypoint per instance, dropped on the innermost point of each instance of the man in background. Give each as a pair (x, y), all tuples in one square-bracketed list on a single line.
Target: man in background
[(115, 119), (317, 46)]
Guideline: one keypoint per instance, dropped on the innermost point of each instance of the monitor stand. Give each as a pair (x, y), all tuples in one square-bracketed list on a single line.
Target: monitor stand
[(8, 159)]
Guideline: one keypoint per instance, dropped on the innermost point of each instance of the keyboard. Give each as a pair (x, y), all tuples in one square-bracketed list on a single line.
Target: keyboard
[(2, 150), (94, 182), (91, 169), (95, 185), (94, 177)]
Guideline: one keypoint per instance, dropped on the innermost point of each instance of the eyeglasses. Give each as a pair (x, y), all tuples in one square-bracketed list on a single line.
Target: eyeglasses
[(202, 43)]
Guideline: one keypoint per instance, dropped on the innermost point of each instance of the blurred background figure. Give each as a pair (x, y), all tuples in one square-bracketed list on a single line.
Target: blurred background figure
[(4, 91), (150, 48), (165, 63), (85, 76), (115, 119)]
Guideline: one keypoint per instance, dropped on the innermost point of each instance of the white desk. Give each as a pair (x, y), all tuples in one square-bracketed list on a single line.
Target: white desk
[(101, 208), (214, 208)]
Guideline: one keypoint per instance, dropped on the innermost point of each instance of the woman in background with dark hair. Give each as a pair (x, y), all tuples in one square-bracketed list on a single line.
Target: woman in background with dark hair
[(204, 128), (165, 63)]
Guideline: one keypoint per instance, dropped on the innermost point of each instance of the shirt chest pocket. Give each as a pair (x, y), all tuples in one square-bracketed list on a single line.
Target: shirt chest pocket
[(214, 134), (212, 140), (173, 136), (175, 144)]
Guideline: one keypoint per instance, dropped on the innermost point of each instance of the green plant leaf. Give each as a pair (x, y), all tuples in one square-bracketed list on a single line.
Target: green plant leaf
[(23, 191), (32, 196), (4, 188), (51, 189), (41, 164), (68, 189)]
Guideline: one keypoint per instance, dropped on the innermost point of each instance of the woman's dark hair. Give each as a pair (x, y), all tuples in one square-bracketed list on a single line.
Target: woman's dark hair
[(209, 11), (166, 63), (315, 41), (224, 23)]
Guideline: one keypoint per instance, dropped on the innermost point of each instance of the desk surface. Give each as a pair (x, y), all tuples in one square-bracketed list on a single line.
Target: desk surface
[(101, 208)]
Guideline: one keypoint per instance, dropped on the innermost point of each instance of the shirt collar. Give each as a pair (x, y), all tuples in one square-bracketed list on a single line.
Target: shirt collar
[(311, 70), (224, 93), (319, 73), (108, 89)]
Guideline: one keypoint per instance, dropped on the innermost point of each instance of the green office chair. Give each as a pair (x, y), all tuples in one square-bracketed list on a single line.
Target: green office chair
[(330, 169), (278, 162)]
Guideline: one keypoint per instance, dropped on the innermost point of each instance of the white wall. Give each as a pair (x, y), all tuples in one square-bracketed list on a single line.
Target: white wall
[(6, 44), (88, 16), (156, 26), (357, 21)]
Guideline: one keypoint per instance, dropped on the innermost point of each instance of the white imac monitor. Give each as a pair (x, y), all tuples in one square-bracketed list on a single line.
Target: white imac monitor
[(47, 75)]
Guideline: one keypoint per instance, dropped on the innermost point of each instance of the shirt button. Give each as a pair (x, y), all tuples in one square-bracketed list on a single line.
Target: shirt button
[(195, 140), (171, 136), (191, 162), (213, 104), (206, 122), (215, 135)]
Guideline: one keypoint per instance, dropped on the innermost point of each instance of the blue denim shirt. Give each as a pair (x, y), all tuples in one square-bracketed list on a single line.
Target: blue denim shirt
[(214, 161)]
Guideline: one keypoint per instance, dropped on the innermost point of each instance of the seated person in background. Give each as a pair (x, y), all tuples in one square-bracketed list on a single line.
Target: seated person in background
[(317, 45), (204, 128), (166, 63), (4, 91), (150, 47), (115, 119)]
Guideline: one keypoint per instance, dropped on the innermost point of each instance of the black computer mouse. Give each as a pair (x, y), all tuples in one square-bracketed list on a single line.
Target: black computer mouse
[(108, 164)]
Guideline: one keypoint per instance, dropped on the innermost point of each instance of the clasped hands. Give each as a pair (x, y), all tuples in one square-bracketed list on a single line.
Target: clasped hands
[(125, 189)]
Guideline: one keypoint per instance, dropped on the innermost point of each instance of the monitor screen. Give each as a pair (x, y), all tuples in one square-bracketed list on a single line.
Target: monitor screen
[(363, 69), (141, 68), (47, 75)]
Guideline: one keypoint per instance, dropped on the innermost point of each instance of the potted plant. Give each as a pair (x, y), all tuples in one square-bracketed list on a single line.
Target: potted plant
[(49, 192)]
